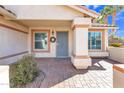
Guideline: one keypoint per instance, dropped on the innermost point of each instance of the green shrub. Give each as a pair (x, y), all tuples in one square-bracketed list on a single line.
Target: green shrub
[(23, 72), (116, 44)]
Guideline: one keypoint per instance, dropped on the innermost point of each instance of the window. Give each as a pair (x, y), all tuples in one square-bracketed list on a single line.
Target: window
[(94, 40), (41, 40)]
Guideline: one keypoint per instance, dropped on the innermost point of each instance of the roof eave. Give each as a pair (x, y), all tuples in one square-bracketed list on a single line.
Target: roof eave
[(7, 14), (104, 27), (85, 10)]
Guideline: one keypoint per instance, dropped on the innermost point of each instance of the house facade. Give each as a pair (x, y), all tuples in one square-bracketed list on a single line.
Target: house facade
[(57, 31)]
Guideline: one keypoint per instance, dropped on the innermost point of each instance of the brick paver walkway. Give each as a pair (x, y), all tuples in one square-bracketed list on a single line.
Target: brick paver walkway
[(60, 73)]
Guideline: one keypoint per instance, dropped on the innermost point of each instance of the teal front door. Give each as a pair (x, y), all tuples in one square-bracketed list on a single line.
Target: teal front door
[(62, 45)]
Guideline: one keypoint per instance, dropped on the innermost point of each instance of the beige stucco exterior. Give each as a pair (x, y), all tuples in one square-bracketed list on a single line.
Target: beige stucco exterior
[(118, 76), (17, 33), (45, 12), (80, 32), (12, 41), (116, 54), (4, 76)]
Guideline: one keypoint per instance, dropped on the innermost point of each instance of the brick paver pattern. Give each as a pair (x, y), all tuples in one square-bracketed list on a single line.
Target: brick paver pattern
[(60, 73)]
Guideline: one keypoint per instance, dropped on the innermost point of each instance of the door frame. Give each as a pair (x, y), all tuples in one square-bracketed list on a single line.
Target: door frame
[(68, 42)]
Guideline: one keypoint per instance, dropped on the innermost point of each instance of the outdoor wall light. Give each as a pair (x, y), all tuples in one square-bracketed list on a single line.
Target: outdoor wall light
[(52, 32)]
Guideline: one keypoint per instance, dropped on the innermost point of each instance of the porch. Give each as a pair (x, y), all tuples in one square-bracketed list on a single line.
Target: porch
[(60, 73), (37, 40)]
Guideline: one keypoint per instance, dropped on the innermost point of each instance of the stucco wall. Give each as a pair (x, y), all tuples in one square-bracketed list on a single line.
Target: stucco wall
[(4, 76), (11, 43), (52, 52), (13, 24), (81, 41), (106, 39), (44, 12), (118, 79), (98, 54), (116, 54)]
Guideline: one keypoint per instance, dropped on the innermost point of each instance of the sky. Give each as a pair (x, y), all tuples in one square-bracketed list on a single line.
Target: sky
[(119, 18)]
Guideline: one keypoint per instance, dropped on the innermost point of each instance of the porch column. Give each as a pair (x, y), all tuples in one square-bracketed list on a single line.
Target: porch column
[(80, 58)]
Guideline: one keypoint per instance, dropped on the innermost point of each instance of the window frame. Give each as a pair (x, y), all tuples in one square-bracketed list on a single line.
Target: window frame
[(33, 40), (101, 41)]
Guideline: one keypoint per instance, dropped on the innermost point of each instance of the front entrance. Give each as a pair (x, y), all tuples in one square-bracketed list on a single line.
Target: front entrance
[(62, 45)]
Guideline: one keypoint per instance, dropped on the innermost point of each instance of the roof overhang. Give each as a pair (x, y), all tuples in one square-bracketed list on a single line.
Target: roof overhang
[(6, 14), (85, 10), (103, 26), (9, 15)]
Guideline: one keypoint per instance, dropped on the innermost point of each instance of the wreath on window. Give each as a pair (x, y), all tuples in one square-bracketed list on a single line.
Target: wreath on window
[(52, 39)]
